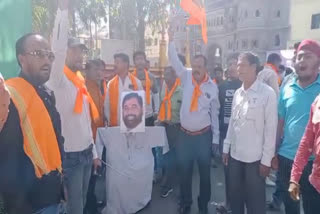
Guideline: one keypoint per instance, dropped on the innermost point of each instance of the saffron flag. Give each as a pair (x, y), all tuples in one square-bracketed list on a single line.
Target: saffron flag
[(197, 14), (15, 21)]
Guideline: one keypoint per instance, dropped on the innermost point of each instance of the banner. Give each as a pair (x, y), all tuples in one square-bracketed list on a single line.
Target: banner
[(15, 21)]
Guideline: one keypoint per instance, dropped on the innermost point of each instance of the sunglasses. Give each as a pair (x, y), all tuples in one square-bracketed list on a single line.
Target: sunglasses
[(41, 54)]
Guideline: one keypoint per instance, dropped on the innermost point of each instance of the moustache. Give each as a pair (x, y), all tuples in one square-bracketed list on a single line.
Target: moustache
[(46, 67), (130, 117)]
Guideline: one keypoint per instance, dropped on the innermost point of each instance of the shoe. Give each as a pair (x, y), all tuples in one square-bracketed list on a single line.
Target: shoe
[(184, 209), (271, 206), (166, 192), (270, 183)]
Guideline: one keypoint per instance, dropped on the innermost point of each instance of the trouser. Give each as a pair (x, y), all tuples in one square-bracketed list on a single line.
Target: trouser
[(53, 209), (91, 202), (277, 195), (170, 162), (189, 149), (77, 171), (246, 188), (155, 151), (310, 197)]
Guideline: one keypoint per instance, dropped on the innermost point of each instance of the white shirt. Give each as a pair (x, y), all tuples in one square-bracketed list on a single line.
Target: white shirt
[(130, 166), (270, 77), (208, 102), (76, 128), (252, 129), (123, 87)]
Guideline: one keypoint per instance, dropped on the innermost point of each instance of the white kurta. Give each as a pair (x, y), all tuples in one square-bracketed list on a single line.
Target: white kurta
[(130, 166)]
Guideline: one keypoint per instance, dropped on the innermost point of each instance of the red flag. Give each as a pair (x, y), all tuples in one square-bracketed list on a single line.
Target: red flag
[(197, 15)]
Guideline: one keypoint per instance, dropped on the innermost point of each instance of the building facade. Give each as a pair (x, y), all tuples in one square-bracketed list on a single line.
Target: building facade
[(305, 20), (236, 26)]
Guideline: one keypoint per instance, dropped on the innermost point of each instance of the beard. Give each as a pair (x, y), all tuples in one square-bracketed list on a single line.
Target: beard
[(132, 121)]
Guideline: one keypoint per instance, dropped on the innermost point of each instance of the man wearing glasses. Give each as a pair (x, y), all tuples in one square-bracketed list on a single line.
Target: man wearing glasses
[(31, 143)]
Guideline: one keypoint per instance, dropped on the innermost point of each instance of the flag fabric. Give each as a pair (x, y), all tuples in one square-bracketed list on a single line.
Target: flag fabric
[(197, 14), (15, 21)]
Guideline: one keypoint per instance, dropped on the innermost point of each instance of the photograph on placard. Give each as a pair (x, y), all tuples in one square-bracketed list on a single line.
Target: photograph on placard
[(132, 111)]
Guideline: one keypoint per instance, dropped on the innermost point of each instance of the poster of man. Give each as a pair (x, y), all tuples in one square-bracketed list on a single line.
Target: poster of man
[(132, 112)]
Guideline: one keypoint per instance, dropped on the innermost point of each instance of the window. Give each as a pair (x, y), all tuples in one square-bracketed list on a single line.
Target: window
[(277, 41), (149, 42), (221, 21), (315, 22), (177, 29), (258, 13), (244, 44), (155, 41), (246, 14), (278, 15), (254, 43)]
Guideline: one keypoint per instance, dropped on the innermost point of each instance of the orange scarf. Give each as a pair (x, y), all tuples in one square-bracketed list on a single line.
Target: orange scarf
[(79, 82), (148, 85), (167, 98), (95, 92), (39, 138), (276, 70), (105, 89), (196, 93), (114, 97)]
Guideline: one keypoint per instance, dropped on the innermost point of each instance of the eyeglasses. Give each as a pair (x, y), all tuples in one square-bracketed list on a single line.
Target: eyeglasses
[(41, 54)]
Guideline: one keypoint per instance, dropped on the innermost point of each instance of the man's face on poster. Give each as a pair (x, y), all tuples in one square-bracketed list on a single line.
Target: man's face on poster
[(132, 111)]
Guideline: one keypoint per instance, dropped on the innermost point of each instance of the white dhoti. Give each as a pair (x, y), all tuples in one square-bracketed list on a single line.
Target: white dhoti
[(130, 167)]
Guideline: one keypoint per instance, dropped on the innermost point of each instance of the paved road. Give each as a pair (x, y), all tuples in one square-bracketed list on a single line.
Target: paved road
[(169, 205)]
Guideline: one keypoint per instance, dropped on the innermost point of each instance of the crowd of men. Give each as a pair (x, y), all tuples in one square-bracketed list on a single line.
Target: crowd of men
[(257, 117)]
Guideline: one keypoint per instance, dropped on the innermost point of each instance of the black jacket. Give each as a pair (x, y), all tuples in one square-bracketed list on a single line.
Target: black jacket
[(21, 190)]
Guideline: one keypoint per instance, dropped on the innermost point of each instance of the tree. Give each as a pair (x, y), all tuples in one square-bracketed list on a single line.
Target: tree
[(134, 15), (43, 15), (91, 12)]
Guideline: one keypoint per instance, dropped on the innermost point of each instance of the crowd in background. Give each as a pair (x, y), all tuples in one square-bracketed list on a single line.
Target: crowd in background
[(256, 118)]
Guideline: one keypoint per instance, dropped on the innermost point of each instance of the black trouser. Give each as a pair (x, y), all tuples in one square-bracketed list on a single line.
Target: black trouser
[(190, 149), (170, 162), (310, 197), (246, 188)]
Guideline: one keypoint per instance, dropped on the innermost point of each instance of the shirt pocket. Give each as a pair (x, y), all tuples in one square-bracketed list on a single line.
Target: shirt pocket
[(255, 115)]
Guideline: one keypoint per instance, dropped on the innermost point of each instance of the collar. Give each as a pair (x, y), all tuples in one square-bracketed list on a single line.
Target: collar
[(254, 87), (295, 82)]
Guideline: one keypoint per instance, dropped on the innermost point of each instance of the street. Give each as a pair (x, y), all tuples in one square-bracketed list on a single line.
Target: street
[(169, 205)]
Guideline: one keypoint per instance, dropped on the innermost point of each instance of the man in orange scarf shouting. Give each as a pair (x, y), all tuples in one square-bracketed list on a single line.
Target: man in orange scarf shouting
[(199, 124), (31, 142), (77, 110)]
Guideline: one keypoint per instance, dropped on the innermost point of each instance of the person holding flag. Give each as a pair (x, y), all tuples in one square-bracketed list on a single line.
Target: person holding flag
[(199, 117)]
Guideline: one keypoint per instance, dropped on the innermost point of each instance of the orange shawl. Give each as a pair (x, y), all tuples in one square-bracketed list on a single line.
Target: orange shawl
[(167, 98), (97, 97), (196, 93), (39, 138), (79, 82), (148, 85), (114, 97)]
